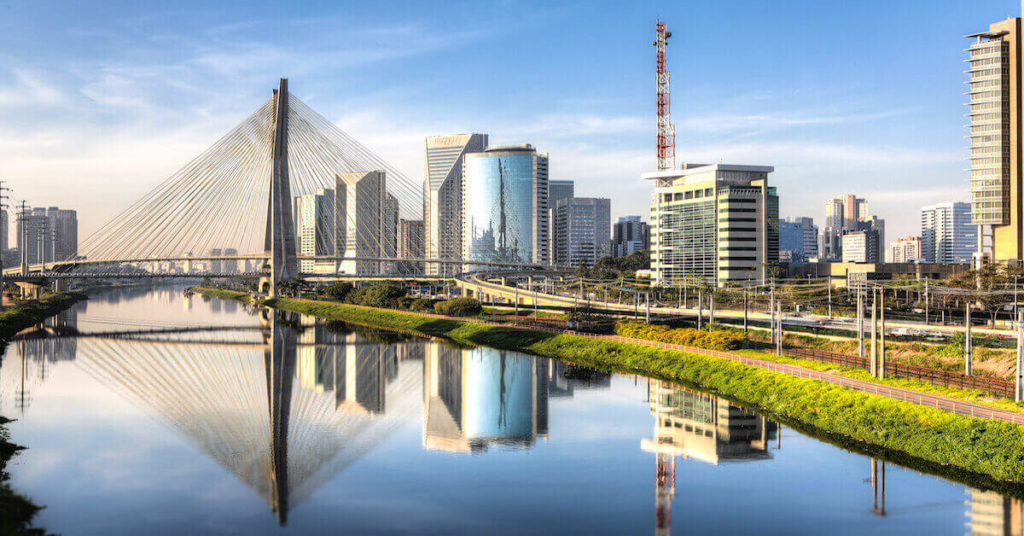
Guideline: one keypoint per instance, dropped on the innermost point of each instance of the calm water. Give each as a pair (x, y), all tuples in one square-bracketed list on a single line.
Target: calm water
[(148, 413)]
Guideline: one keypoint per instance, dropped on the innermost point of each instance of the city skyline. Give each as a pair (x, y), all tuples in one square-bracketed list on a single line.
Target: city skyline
[(110, 108)]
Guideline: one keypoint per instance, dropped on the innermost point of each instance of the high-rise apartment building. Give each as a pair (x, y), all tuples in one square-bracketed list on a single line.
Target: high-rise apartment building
[(48, 234), (5, 230), (718, 221), (367, 221), (947, 234), (410, 245), (505, 206), (629, 235), (581, 226), (994, 111), (798, 239), (442, 196), (904, 250)]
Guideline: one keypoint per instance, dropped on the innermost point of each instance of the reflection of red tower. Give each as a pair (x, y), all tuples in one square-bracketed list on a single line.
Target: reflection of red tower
[(666, 491)]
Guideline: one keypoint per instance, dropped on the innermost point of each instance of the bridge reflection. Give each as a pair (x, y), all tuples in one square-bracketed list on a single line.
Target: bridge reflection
[(289, 403)]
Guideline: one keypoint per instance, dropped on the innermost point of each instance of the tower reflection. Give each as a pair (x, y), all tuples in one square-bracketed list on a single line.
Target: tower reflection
[(695, 425)]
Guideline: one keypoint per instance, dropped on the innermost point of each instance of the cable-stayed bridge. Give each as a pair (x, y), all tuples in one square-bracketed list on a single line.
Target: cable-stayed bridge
[(285, 194)]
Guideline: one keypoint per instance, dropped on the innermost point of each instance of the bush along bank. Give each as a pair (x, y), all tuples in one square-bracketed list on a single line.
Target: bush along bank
[(984, 448), (712, 340)]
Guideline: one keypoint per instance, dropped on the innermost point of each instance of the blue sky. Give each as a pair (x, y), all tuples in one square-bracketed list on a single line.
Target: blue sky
[(99, 103)]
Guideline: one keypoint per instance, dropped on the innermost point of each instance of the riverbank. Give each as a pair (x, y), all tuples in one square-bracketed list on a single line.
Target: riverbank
[(988, 450), (19, 317)]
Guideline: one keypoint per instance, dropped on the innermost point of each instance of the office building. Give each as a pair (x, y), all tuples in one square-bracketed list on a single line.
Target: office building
[(505, 206), (947, 234), (581, 226), (629, 235), (718, 221), (230, 267), (410, 246), (559, 190), (861, 246), (798, 239), (442, 196), (905, 250)]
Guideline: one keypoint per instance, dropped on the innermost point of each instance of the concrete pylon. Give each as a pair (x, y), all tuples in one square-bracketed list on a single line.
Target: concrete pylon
[(280, 237)]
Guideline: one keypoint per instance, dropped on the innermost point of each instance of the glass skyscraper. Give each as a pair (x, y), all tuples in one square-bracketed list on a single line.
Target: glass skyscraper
[(505, 206)]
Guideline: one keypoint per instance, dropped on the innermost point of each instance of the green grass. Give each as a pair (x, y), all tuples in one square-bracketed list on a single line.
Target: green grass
[(981, 447), (19, 317)]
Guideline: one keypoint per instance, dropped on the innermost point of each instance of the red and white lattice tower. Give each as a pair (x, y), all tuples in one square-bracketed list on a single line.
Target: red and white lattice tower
[(666, 130)]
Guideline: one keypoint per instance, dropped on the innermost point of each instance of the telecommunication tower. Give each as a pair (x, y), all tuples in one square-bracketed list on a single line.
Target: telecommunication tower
[(666, 130)]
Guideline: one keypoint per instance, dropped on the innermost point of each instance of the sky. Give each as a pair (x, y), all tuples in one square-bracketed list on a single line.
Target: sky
[(99, 103)]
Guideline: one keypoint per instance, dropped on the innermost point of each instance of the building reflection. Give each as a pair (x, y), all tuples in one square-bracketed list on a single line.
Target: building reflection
[(691, 424), (474, 398), (992, 514), (40, 347)]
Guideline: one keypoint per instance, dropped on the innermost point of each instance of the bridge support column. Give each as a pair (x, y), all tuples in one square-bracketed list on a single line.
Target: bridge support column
[(29, 291)]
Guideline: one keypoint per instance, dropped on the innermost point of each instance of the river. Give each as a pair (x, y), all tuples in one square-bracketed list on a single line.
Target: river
[(146, 412)]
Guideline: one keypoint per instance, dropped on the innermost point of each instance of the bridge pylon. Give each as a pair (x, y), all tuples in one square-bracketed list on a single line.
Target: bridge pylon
[(280, 237)]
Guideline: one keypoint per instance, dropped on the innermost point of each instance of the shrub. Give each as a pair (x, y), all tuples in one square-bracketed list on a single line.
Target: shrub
[(712, 340), (458, 307), (338, 291), (384, 295), (422, 305)]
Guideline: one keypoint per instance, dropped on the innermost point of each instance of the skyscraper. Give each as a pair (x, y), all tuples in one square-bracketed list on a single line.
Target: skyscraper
[(629, 235), (442, 196), (558, 190), (994, 89), (947, 234), (580, 231), (844, 214), (505, 206), (798, 239), (718, 221), (366, 220)]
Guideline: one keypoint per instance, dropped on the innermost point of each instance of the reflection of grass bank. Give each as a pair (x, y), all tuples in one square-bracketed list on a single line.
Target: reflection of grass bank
[(16, 511), (979, 448), (19, 317)]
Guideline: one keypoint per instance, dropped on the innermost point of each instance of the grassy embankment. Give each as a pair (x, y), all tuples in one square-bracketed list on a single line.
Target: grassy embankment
[(19, 317), (983, 452)]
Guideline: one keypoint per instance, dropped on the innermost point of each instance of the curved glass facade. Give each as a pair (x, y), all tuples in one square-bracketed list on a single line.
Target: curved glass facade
[(501, 189)]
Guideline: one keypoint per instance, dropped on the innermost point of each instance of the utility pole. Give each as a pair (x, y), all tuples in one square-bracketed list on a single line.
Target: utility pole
[(711, 308), (517, 300), (830, 296), (926, 302), (700, 309), (874, 333), (771, 310), (23, 218), (779, 336), (744, 310), (968, 350), (1019, 384), (881, 337), (860, 321), (647, 306)]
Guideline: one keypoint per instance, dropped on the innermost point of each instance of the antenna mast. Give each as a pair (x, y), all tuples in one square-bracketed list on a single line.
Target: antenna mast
[(666, 130)]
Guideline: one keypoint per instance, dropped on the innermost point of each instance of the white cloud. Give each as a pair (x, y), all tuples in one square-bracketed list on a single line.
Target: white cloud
[(29, 89)]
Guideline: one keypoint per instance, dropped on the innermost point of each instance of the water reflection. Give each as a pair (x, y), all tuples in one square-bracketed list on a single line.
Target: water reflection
[(286, 403)]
